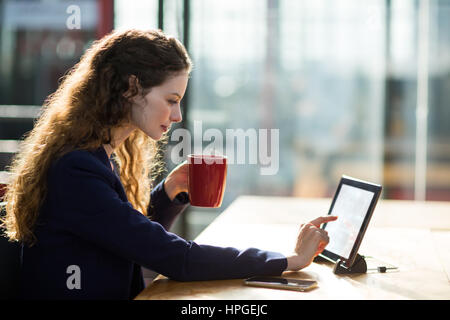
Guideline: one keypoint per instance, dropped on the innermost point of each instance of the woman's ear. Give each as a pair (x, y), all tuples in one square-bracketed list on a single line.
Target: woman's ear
[(133, 87)]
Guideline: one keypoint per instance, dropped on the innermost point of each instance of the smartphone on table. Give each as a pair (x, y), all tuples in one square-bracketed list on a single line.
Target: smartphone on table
[(281, 283)]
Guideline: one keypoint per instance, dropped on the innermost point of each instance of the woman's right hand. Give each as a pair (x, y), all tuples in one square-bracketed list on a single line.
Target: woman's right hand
[(311, 241)]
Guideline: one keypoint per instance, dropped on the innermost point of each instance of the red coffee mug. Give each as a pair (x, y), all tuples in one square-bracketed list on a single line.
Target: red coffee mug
[(207, 180)]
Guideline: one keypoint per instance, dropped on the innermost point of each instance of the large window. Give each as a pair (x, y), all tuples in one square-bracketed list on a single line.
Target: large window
[(357, 88)]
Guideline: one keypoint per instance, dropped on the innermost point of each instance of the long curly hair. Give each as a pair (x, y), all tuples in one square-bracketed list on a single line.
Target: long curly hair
[(88, 103)]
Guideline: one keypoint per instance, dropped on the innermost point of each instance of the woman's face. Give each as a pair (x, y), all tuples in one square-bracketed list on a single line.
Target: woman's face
[(158, 109)]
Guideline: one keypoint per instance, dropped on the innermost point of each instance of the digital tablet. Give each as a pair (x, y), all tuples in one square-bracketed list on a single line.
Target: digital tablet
[(353, 203)]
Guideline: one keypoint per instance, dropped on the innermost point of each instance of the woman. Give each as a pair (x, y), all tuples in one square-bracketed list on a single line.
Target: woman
[(85, 232)]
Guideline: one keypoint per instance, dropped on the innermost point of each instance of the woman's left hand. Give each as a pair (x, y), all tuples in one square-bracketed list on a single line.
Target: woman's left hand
[(177, 181)]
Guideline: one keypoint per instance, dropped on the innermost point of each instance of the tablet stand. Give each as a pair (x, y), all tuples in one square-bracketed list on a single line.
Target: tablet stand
[(359, 266)]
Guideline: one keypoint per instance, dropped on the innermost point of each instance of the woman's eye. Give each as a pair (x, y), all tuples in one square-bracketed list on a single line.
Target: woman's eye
[(172, 102)]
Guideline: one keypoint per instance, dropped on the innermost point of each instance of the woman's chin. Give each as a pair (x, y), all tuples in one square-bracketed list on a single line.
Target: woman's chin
[(156, 137)]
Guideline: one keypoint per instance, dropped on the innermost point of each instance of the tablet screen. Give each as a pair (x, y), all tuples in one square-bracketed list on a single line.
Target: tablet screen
[(351, 207)]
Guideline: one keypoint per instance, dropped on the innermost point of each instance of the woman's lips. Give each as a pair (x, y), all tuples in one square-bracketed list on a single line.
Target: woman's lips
[(165, 128)]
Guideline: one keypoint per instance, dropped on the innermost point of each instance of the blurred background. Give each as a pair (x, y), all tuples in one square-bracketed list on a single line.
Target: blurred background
[(360, 88)]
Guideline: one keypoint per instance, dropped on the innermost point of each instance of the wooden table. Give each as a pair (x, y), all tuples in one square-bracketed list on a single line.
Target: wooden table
[(415, 236)]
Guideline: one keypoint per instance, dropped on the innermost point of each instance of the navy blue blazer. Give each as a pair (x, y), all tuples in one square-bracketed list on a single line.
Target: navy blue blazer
[(91, 242)]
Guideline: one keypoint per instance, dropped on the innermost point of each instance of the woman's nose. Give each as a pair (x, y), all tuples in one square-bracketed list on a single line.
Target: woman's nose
[(176, 114)]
